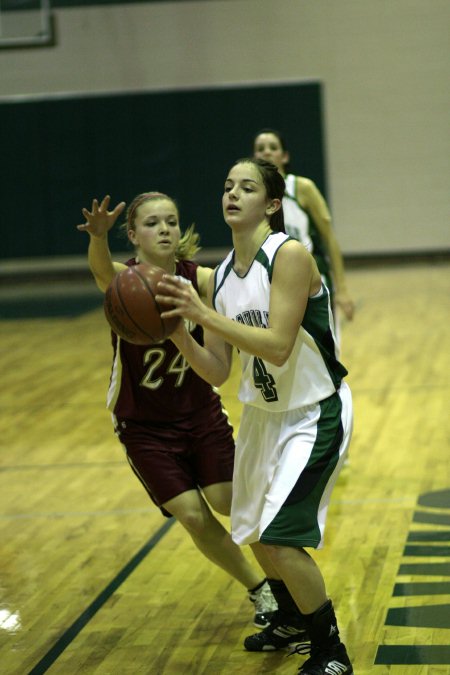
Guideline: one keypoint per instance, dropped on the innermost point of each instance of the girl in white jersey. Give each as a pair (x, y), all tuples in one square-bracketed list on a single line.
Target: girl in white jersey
[(271, 304), (307, 218)]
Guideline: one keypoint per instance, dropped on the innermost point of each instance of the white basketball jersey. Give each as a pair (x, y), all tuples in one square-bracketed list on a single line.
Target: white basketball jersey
[(296, 221), (312, 371)]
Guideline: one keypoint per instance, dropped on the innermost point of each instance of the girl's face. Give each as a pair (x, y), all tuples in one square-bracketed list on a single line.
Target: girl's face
[(245, 200), (268, 146), (156, 230)]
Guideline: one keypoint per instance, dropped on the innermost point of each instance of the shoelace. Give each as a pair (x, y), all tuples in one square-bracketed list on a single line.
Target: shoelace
[(311, 663), (300, 648)]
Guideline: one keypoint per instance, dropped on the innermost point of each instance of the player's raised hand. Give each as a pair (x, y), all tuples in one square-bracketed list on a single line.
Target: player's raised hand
[(99, 220)]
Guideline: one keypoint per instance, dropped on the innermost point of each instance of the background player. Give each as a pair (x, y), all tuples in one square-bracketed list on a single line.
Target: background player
[(307, 218)]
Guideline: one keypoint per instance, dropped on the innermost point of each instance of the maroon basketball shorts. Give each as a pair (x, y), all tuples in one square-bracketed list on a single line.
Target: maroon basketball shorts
[(188, 454)]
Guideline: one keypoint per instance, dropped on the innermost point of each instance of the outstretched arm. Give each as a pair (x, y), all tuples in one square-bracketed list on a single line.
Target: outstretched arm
[(315, 203), (98, 223)]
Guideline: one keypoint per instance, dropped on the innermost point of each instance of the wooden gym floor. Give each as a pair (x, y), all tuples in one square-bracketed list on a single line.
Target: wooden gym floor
[(94, 580)]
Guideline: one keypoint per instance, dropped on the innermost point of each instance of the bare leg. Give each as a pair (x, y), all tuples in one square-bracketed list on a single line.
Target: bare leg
[(261, 555), (210, 537), (300, 574)]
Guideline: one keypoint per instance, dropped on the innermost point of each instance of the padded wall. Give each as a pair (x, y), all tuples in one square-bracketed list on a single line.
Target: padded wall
[(58, 154)]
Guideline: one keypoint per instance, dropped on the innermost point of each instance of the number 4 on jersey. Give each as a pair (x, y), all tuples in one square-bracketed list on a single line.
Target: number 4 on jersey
[(264, 381)]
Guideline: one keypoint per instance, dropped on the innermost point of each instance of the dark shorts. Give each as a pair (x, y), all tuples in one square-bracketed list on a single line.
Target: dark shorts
[(188, 455)]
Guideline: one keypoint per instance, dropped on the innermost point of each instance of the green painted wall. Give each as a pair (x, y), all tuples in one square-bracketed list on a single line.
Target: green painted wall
[(58, 154)]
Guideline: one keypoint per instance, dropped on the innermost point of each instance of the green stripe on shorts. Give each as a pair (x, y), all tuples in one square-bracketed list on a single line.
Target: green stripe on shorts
[(296, 523)]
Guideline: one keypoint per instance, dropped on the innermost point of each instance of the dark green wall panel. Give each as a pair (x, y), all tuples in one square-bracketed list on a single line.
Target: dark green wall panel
[(8, 5), (59, 153)]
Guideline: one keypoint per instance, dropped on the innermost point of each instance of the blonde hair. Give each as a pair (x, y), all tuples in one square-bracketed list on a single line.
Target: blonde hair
[(188, 245)]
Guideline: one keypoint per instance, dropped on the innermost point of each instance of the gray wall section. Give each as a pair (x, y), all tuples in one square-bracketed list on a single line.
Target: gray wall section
[(384, 66)]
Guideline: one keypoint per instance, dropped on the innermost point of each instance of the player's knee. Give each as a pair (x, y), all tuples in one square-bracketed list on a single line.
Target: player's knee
[(193, 520), (278, 554), (219, 498), (225, 510), (222, 506)]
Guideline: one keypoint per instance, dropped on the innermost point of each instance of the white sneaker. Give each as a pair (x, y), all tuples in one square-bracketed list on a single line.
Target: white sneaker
[(265, 605)]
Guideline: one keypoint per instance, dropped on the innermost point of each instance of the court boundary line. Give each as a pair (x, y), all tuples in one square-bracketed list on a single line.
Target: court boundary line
[(77, 626)]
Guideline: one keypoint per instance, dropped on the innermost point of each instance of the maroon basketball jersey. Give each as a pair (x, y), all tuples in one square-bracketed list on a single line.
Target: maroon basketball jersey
[(154, 382)]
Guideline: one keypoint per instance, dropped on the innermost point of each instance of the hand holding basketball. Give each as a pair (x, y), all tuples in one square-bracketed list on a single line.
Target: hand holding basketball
[(131, 307), (177, 297)]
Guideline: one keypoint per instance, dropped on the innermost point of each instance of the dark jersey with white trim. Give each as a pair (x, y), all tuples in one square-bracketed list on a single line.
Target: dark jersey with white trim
[(154, 383)]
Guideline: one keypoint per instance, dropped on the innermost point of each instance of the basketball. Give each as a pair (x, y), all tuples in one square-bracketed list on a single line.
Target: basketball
[(131, 308)]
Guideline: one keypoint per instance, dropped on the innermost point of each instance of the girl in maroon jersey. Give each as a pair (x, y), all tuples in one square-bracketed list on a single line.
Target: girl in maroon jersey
[(177, 438)]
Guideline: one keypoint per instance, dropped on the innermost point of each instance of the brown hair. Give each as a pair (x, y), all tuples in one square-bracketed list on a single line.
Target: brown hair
[(274, 132), (280, 137), (275, 187), (188, 245)]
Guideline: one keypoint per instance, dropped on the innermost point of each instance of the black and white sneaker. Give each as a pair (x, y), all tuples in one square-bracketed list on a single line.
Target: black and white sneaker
[(284, 630), (265, 605), (331, 661)]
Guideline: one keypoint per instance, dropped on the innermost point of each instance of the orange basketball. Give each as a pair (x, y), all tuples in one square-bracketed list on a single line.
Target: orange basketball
[(131, 308)]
